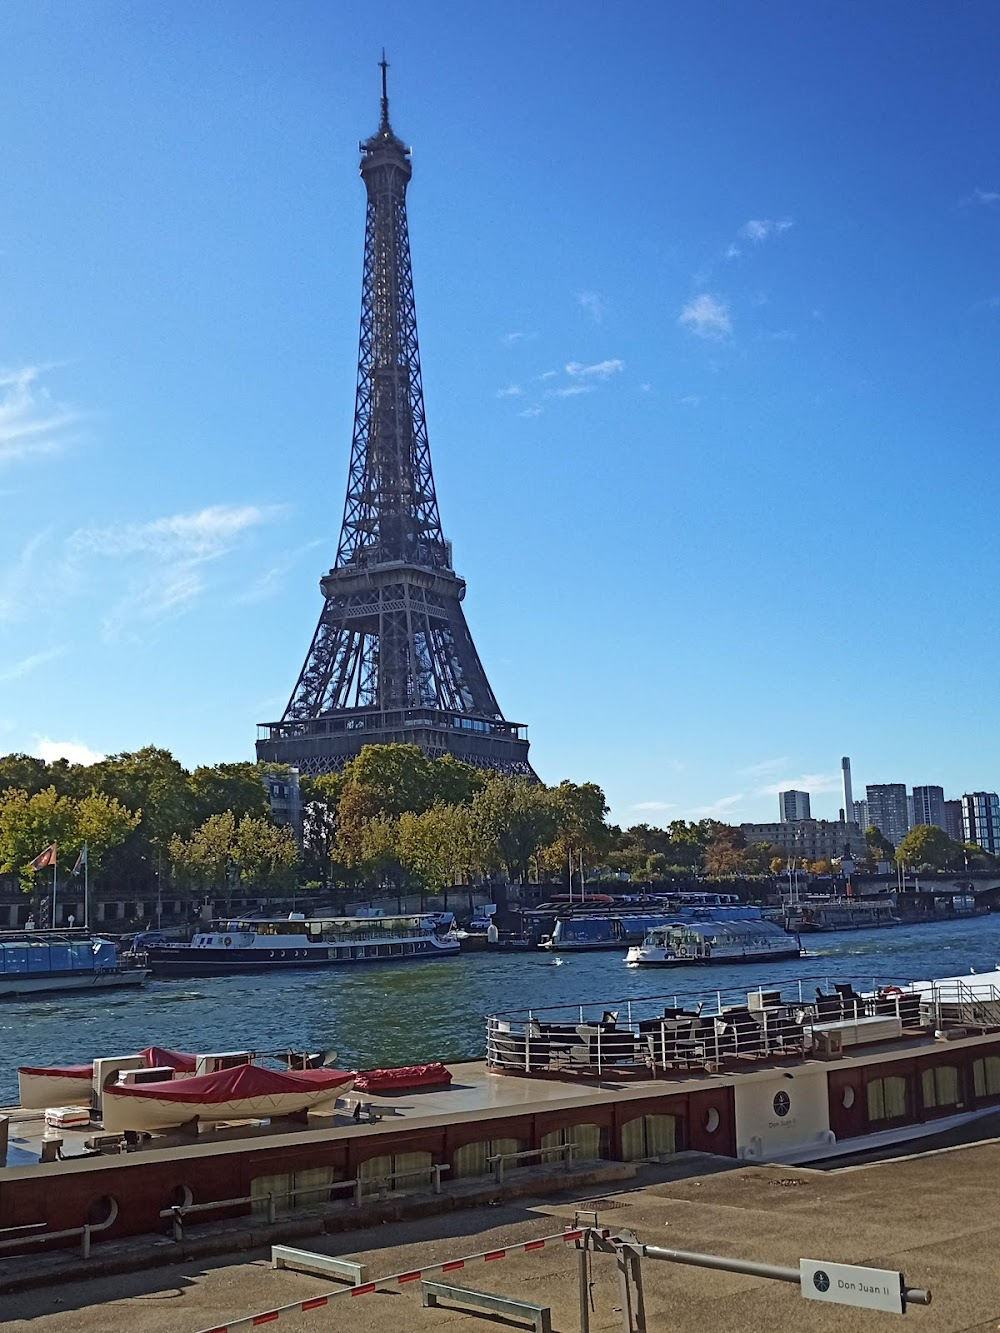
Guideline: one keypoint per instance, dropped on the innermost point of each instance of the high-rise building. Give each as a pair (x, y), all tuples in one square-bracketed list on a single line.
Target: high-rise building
[(809, 839), (845, 768), (392, 659), (953, 820), (887, 810), (861, 815), (981, 820), (928, 806), (793, 805)]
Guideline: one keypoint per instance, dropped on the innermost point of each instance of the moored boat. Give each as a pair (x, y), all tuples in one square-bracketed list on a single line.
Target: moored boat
[(297, 941), (244, 1092), (692, 942), (35, 962)]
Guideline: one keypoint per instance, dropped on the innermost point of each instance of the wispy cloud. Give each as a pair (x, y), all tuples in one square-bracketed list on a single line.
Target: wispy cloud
[(166, 559), (272, 580), (719, 809), (764, 767), (32, 424), (573, 390), (531, 412), (74, 751), (706, 316), (511, 391), (654, 805), (19, 582), (988, 198), (601, 370), (29, 664), (691, 400), (518, 336), (758, 230), (814, 783), (592, 305)]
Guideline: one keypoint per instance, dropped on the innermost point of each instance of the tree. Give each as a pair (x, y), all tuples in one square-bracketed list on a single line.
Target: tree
[(441, 846), (23, 772), (382, 781), (580, 810), (103, 823), (238, 788), (28, 824), (926, 844), (879, 846), (265, 855), (725, 854), (206, 860), (320, 802), (513, 820)]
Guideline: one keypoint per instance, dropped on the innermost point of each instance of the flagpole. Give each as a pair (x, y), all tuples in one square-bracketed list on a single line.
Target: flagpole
[(55, 866), (86, 889)]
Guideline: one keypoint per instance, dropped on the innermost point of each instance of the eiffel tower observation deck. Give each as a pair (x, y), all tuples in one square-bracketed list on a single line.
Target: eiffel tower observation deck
[(392, 659)]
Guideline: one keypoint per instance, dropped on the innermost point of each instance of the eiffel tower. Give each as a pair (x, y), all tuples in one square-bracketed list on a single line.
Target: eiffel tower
[(392, 659)]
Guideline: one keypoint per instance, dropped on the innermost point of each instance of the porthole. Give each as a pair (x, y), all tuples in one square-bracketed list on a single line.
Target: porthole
[(847, 1098), (182, 1197), (711, 1120), (102, 1213)]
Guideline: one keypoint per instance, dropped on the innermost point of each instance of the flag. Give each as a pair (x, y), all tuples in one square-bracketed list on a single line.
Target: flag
[(46, 858), (81, 860)]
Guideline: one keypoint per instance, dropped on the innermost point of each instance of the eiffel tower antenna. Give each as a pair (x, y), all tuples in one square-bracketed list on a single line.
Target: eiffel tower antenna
[(392, 659)]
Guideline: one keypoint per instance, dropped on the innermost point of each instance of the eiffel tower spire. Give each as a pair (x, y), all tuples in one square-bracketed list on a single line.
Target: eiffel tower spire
[(392, 658)]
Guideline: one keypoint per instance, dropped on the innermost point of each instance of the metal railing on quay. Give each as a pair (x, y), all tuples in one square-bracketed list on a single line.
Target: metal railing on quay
[(85, 1232), (362, 1187), (499, 1160)]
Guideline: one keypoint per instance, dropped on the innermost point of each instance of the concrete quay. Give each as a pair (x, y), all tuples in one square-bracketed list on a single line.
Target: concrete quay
[(934, 1216)]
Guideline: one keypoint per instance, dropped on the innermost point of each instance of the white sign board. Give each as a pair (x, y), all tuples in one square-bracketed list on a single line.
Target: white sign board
[(846, 1284)]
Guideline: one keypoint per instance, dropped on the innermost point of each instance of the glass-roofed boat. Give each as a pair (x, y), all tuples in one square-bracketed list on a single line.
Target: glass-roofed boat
[(691, 942)]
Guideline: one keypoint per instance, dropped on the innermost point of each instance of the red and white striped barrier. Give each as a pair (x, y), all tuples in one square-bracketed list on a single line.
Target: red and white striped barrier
[(401, 1279)]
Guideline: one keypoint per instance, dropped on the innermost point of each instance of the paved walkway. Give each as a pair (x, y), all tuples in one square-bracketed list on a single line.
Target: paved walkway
[(935, 1217)]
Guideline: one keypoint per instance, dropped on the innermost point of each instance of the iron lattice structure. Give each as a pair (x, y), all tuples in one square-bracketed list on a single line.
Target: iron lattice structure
[(392, 658)]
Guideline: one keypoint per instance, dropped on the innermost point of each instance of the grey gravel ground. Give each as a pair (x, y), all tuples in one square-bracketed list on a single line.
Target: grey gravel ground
[(936, 1217)]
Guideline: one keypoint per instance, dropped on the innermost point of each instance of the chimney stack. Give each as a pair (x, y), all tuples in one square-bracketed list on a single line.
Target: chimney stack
[(845, 764)]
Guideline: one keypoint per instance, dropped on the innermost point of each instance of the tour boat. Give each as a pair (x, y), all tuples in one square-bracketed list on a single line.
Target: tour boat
[(245, 1092), (36, 962), (297, 941), (616, 929), (691, 942), (822, 914)]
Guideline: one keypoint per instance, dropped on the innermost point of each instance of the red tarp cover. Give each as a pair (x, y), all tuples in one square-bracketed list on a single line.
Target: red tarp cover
[(411, 1076), (158, 1057), (232, 1085), (59, 1071)]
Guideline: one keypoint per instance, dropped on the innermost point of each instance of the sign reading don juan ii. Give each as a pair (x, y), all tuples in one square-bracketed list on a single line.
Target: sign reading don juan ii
[(847, 1284)]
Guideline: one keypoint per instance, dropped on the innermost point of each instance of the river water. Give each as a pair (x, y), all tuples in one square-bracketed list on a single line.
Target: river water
[(381, 1015)]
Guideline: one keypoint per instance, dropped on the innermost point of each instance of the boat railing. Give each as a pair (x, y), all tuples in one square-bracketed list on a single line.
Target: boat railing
[(682, 1031)]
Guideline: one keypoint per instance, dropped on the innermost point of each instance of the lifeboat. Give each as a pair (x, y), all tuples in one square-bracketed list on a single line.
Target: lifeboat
[(248, 1092), (41, 1086), (401, 1080)]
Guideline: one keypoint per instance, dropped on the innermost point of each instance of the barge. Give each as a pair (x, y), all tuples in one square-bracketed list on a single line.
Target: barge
[(297, 941), (35, 962), (800, 1072)]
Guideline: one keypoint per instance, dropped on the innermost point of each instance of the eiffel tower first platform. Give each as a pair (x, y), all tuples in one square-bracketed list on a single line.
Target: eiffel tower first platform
[(392, 659)]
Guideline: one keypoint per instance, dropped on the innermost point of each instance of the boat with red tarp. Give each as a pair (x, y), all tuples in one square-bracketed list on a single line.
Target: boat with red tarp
[(246, 1092), (41, 1086)]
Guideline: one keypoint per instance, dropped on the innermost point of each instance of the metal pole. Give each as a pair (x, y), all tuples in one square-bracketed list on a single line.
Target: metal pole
[(583, 1277), (55, 866), (630, 1288), (86, 888)]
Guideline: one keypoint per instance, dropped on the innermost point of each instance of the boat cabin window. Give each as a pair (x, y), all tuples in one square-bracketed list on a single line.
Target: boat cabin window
[(888, 1098), (941, 1086), (649, 1136), (986, 1076)]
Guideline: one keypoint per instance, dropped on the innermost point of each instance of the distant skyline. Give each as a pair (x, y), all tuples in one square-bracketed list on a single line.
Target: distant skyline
[(709, 311)]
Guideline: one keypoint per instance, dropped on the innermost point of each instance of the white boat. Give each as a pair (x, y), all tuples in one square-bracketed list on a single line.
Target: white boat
[(690, 942), (246, 1092), (41, 1086)]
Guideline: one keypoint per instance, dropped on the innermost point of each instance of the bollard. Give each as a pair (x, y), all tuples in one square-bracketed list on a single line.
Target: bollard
[(436, 1177), (85, 1242), (178, 1223)]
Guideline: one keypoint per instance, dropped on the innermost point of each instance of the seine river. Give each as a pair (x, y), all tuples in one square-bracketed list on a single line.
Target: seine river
[(378, 1015)]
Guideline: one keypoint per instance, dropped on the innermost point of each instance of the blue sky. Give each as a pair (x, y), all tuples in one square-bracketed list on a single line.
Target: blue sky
[(709, 308)]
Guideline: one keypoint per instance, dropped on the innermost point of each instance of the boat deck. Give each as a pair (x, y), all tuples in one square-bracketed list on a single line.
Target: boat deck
[(476, 1093)]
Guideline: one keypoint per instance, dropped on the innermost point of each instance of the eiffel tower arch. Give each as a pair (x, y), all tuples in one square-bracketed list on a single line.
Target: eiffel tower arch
[(392, 659)]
